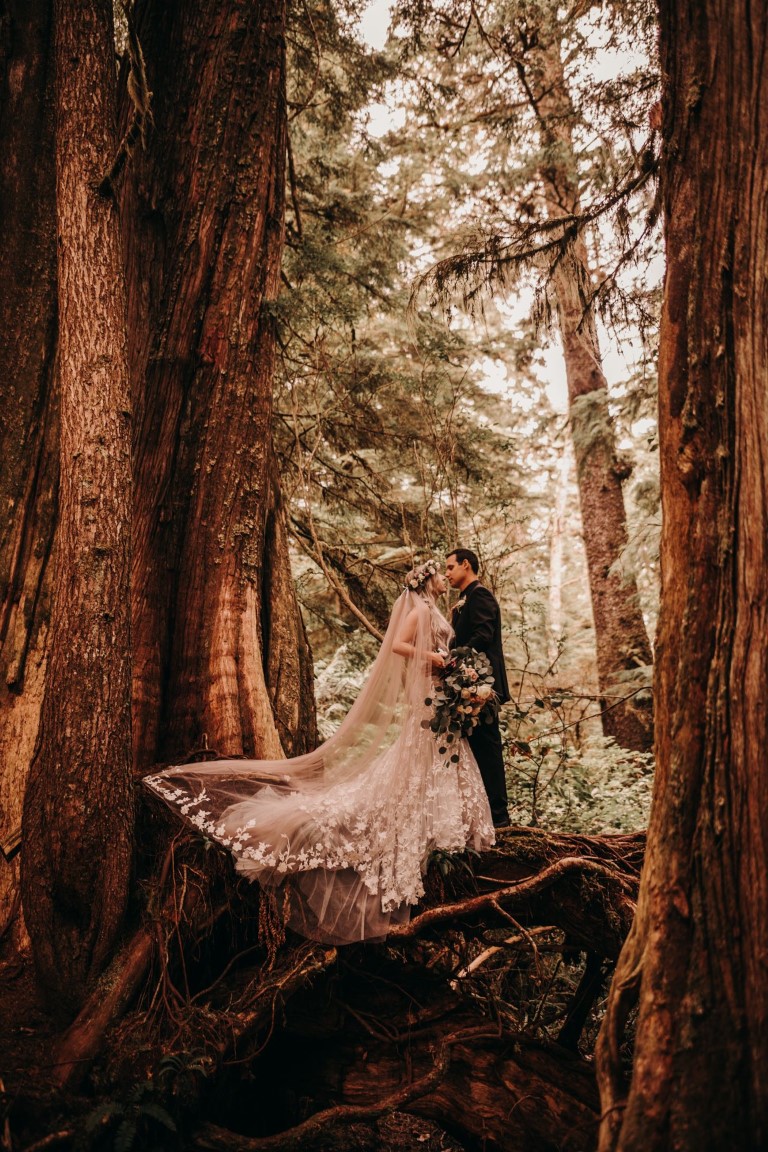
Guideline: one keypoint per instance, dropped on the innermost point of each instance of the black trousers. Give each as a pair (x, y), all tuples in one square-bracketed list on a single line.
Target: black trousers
[(485, 743)]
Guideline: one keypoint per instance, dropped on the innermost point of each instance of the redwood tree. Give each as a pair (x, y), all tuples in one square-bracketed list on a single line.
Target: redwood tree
[(621, 639), (696, 957), (221, 659), (220, 653), (78, 809), (28, 415)]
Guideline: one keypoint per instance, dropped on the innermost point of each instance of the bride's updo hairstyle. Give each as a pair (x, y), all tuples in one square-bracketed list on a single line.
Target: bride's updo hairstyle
[(421, 578)]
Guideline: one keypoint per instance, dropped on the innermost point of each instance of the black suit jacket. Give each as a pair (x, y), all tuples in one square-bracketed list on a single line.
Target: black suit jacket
[(478, 625)]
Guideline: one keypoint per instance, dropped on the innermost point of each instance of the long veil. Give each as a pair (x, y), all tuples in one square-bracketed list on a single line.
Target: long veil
[(305, 823)]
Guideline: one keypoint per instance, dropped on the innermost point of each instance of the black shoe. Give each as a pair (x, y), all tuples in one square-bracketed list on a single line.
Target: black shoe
[(503, 823)]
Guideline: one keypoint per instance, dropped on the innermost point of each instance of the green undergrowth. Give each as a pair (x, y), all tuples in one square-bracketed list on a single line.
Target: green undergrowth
[(562, 775)]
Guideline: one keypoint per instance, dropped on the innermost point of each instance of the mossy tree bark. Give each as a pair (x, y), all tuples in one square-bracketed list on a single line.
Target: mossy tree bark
[(621, 638), (697, 952), (29, 422), (221, 658), (78, 808)]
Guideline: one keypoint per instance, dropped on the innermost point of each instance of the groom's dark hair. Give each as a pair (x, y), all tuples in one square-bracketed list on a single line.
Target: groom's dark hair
[(463, 554)]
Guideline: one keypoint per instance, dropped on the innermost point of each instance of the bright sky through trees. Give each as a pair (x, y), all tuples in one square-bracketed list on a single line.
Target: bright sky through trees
[(618, 360)]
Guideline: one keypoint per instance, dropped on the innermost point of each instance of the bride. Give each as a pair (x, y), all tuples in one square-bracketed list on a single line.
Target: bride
[(347, 830)]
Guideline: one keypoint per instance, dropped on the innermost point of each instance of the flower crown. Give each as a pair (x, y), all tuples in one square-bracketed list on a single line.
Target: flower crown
[(419, 576)]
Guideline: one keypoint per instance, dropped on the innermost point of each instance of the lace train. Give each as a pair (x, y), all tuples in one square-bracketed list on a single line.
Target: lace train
[(348, 829), (356, 853)]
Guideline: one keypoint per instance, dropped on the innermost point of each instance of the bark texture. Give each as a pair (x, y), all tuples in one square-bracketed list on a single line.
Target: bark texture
[(28, 414), (78, 810), (221, 659), (495, 1093), (696, 956), (621, 637)]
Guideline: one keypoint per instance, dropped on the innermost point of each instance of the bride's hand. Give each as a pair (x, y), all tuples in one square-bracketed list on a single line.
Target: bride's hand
[(438, 660)]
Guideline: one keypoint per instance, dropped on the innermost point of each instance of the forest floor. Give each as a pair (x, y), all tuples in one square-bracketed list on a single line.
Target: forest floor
[(27, 1035), (475, 1019), (33, 1113)]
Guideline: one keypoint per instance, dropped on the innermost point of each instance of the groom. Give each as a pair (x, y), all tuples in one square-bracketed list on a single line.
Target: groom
[(476, 621)]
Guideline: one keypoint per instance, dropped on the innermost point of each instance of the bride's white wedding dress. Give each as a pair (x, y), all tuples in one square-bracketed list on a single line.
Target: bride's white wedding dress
[(347, 830)]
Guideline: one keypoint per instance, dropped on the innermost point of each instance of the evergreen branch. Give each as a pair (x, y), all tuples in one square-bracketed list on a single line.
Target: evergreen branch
[(305, 104), (497, 255), (315, 553)]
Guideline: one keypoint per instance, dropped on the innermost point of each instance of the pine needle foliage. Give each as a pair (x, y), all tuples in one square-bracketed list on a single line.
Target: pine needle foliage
[(488, 89), (385, 437)]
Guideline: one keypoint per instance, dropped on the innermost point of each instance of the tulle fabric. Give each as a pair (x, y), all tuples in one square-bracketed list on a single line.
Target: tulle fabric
[(347, 829)]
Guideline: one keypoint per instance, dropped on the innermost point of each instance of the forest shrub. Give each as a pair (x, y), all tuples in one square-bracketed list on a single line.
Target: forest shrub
[(598, 788), (338, 680)]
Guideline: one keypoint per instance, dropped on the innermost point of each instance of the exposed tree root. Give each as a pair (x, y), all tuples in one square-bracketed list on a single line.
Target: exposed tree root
[(513, 895), (51, 1141), (209, 1136), (503, 1087), (502, 1090), (455, 1018), (512, 1096), (177, 909), (622, 998), (81, 1042), (521, 1097), (268, 995)]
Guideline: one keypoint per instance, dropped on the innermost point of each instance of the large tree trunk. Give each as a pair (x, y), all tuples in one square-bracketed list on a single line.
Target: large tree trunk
[(620, 633), (29, 422), (221, 659), (78, 810), (697, 952)]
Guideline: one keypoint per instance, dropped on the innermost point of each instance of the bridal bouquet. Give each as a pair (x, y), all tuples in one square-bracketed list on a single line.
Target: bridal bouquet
[(464, 699)]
